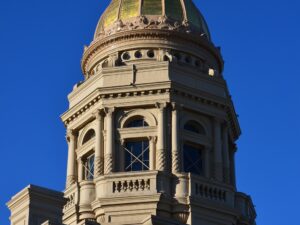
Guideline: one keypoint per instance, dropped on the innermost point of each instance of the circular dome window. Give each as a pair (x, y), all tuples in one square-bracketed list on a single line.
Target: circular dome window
[(126, 56), (150, 54), (138, 54)]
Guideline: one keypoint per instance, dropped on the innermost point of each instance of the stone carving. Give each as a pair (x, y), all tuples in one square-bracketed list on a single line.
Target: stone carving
[(182, 217), (99, 170), (144, 22), (162, 160), (176, 164), (70, 201), (108, 164)]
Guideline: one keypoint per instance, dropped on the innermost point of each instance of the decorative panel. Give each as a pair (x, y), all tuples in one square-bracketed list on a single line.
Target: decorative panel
[(152, 7), (174, 9), (130, 8), (111, 14)]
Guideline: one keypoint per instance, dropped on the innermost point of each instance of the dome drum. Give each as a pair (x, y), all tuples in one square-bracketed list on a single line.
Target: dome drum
[(167, 41)]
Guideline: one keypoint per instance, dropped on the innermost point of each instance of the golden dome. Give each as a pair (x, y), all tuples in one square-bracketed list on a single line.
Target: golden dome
[(181, 15)]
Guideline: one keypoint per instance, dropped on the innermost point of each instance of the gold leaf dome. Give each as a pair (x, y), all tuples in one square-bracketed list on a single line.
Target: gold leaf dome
[(180, 15)]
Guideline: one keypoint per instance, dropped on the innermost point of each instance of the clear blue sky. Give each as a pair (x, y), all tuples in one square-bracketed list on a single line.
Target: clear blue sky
[(41, 48)]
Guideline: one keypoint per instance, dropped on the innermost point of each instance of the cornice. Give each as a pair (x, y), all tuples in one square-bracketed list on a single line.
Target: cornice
[(213, 101)]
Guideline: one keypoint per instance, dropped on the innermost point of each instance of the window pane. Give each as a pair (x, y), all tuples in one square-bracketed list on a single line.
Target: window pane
[(89, 168), (137, 122), (136, 155), (192, 159)]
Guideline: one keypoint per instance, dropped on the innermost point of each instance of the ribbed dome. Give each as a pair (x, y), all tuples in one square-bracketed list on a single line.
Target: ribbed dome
[(181, 15)]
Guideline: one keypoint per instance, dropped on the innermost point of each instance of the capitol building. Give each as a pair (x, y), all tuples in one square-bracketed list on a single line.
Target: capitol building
[(151, 129)]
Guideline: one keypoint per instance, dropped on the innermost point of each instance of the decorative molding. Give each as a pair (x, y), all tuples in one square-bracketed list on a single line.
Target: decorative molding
[(161, 160), (108, 165), (227, 106), (147, 23)]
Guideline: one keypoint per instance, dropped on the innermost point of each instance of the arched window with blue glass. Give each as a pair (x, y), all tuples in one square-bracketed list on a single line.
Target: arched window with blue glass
[(193, 152), (136, 149)]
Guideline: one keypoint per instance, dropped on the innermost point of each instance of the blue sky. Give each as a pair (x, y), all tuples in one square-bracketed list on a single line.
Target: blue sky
[(41, 48)]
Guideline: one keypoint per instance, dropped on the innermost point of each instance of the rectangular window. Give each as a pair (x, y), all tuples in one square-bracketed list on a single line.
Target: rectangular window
[(136, 155), (89, 167)]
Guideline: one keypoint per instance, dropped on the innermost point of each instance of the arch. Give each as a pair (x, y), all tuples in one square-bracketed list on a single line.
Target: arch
[(131, 115), (90, 134), (203, 122), (195, 127), (136, 121)]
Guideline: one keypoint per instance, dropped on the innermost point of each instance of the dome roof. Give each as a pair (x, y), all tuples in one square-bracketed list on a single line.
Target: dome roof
[(179, 15)]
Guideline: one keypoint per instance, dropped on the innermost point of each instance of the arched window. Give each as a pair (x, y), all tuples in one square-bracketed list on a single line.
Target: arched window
[(88, 136), (137, 122), (193, 159), (136, 151), (195, 127), (88, 164)]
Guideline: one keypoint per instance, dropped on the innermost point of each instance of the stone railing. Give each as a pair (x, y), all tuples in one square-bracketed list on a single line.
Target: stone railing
[(244, 204), (131, 183), (71, 195), (211, 190)]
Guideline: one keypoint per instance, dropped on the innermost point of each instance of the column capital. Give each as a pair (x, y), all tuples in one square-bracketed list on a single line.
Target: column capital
[(161, 105), (122, 141), (219, 120), (98, 113), (152, 139), (109, 110), (176, 107), (71, 134)]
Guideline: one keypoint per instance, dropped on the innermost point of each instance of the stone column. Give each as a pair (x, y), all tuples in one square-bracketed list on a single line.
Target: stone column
[(161, 160), (207, 160), (152, 142), (80, 169), (218, 151), (71, 138), (232, 167), (122, 156), (108, 157), (226, 159), (99, 161), (176, 153)]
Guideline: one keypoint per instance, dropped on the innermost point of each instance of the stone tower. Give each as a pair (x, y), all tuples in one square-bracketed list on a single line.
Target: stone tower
[(152, 129)]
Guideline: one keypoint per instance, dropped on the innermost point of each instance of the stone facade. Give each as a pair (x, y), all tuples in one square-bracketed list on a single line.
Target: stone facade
[(152, 129)]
